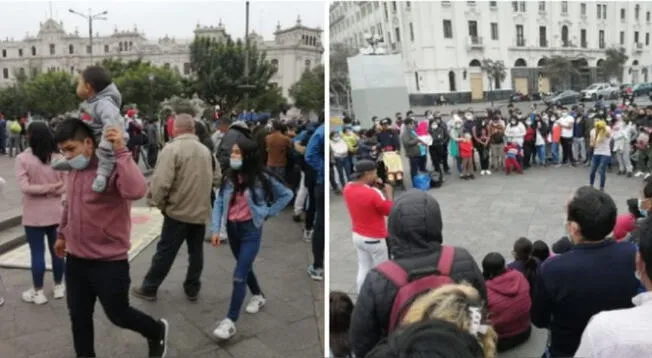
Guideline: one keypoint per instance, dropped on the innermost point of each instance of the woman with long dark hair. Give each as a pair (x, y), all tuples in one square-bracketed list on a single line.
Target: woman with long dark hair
[(42, 189), (248, 196)]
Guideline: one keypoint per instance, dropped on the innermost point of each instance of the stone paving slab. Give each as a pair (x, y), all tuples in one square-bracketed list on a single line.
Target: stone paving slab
[(488, 214), (288, 326)]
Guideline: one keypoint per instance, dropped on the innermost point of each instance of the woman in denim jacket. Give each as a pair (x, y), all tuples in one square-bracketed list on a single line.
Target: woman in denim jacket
[(248, 196)]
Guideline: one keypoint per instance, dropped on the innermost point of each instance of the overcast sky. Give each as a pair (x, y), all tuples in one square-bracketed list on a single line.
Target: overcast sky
[(158, 18)]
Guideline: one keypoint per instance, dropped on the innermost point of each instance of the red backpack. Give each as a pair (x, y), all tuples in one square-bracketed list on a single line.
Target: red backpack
[(415, 282)]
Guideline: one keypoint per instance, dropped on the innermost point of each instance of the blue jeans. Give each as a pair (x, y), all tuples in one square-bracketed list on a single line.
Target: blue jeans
[(599, 162), (554, 148), (244, 241), (541, 153), (35, 239)]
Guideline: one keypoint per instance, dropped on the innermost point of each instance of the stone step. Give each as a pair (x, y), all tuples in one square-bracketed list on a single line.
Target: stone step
[(11, 238), (10, 219)]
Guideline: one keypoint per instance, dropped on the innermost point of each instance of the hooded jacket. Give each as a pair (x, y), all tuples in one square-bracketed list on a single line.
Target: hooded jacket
[(236, 130), (415, 239), (104, 109), (509, 303)]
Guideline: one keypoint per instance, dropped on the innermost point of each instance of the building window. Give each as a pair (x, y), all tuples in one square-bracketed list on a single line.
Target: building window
[(411, 32), (522, 6), (106, 48), (564, 36), (494, 31), (647, 39), (408, 5), (543, 39), (493, 3), (186, 68), (448, 29), (33, 50), (622, 37), (473, 31), (622, 14), (72, 70), (635, 37), (564, 8), (416, 81), (604, 12), (131, 45), (637, 11), (5, 73), (88, 49), (4, 53), (647, 16), (599, 10), (71, 49), (515, 6), (20, 52), (379, 27), (34, 71), (542, 6), (601, 39), (51, 49), (394, 7), (307, 65), (583, 41), (520, 40), (120, 47), (451, 81), (21, 71), (398, 34)]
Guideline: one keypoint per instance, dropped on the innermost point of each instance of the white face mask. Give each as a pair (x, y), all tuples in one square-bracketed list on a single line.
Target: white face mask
[(434, 126)]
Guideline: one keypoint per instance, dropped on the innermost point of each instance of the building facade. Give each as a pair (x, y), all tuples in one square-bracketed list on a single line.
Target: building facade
[(292, 51), (443, 43)]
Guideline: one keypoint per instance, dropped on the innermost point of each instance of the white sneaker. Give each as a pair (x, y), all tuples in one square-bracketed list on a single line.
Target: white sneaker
[(59, 291), (638, 174), (482, 172), (255, 303), (225, 329), (488, 172), (647, 175), (33, 296)]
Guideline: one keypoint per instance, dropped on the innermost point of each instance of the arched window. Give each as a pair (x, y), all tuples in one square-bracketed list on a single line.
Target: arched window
[(520, 63), (33, 50), (308, 63), (451, 82), (120, 47), (71, 49), (475, 63), (635, 63), (542, 62), (564, 36)]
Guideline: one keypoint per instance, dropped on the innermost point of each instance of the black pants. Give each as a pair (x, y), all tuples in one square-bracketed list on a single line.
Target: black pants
[(567, 150), (511, 342), (311, 182), (437, 156), (529, 152), (173, 234), (483, 153), (318, 233), (108, 281), (152, 154), (417, 164)]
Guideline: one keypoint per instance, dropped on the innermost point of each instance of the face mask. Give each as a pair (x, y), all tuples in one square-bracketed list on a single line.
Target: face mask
[(336, 139), (640, 208), (513, 123), (434, 126), (79, 162), (235, 164), (357, 128)]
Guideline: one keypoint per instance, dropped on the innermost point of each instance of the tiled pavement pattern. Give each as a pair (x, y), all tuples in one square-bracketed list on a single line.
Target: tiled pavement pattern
[(489, 214)]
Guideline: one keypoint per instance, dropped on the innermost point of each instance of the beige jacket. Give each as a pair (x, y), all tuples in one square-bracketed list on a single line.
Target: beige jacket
[(183, 180)]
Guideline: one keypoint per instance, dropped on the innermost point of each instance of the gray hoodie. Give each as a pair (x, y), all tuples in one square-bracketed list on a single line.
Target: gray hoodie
[(104, 108)]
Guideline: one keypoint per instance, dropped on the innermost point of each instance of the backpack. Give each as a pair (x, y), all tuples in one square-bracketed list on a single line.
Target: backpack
[(15, 127), (415, 283)]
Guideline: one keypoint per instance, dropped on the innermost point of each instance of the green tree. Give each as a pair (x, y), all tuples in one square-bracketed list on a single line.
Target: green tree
[(308, 92), (218, 72), (560, 70), (271, 100), (495, 71), (613, 64), (51, 93), (148, 85), (340, 85), (12, 102)]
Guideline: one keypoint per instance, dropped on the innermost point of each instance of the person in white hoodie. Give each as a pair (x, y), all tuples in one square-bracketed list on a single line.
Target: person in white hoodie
[(515, 131), (621, 147), (625, 332)]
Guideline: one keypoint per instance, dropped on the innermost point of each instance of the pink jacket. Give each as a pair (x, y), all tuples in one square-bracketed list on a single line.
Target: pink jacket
[(42, 205), (98, 225)]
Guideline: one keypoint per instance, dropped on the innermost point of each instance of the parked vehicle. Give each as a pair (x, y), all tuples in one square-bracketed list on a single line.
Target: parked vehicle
[(625, 89), (563, 98), (594, 91), (519, 97), (642, 89)]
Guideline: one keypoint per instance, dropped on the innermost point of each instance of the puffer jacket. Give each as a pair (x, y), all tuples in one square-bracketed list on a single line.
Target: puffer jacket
[(415, 239)]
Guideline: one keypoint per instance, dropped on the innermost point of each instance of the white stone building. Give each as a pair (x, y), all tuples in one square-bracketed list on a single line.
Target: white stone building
[(443, 43), (292, 50)]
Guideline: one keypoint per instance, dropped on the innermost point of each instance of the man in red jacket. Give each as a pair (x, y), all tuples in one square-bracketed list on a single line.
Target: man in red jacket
[(94, 235), (368, 209)]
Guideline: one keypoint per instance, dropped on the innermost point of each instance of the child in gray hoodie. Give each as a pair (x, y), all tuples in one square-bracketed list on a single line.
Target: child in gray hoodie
[(104, 101)]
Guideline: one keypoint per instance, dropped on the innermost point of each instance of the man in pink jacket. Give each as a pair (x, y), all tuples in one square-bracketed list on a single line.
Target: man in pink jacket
[(94, 235)]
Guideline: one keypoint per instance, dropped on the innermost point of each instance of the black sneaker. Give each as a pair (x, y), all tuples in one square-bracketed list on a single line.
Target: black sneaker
[(192, 298), (297, 218), (138, 292), (159, 348)]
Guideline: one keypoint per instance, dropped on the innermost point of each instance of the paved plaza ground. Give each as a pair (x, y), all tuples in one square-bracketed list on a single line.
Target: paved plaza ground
[(290, 325), (488, 214)]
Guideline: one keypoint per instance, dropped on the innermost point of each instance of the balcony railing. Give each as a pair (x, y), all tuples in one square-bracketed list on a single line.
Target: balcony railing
[(475, 42), (520, 42), (584, 44), (638, 47)]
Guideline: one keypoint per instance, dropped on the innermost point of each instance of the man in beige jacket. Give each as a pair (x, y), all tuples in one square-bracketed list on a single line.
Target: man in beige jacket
[(180, 187)]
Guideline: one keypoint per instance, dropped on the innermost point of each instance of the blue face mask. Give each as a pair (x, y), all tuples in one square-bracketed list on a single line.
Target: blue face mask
[(235, 164), (79, 162), (640, 208)]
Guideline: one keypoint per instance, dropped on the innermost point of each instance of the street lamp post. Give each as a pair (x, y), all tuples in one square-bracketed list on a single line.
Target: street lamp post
[(246, 86), (151, 96), (90, 17)]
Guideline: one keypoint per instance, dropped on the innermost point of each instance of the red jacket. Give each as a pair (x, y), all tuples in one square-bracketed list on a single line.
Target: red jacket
[(169, 126), (97, 226), (368, 210), (530, 135), (509, 303), (466, 149)]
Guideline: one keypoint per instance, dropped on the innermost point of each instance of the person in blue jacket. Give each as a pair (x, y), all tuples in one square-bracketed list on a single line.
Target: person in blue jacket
[(248, 196), (315, 159)]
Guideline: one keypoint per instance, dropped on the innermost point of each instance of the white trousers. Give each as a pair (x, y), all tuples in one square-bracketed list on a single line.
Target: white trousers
[(302, 194), (371, 252)]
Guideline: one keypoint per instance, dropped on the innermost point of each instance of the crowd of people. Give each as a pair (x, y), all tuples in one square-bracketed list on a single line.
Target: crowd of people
[(509, 141), (219, 182), (414, 292)]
